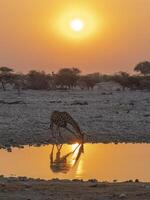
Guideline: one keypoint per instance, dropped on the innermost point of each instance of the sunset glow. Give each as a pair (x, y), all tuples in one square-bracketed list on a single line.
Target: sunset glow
[(47, 35)]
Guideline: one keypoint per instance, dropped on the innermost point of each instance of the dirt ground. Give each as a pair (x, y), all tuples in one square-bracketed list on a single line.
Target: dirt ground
[(105, 116), (30, 189)]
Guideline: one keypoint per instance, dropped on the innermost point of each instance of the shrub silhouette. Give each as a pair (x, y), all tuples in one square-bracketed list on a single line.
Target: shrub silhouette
[(89, 81), (37, 80), (67, 77)]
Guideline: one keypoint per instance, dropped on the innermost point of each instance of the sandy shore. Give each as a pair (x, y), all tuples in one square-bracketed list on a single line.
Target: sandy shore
[(22, 188), (106, 116)]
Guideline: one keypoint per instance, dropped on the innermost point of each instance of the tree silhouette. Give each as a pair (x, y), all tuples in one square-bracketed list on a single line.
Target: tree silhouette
[(143, 68), (6, 70), (5, 76), (37, 80), (67, 77), (89, 81), (122, 78)]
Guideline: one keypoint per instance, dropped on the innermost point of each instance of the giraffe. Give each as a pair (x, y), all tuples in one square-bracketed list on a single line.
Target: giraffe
[(62, 119)]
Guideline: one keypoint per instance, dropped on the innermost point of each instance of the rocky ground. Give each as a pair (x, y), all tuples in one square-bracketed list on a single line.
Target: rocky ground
[(30, 189), (106, 116)]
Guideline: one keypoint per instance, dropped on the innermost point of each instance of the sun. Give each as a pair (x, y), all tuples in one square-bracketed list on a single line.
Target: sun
[(77, 25)]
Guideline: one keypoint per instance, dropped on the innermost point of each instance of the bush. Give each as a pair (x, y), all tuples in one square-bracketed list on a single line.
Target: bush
[(37, 80)]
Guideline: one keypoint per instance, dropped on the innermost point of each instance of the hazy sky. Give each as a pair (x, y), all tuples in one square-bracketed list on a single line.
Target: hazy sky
[(33, 34)]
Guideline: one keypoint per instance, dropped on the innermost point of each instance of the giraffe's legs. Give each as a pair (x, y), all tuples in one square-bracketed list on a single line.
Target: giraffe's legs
[(52, 128), (58, 131)]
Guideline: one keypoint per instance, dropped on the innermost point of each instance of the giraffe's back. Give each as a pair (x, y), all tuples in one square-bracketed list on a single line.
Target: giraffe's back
[(61, 119), (58, 118)]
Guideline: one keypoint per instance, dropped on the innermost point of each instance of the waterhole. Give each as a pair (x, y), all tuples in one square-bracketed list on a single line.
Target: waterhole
[(105, 162)]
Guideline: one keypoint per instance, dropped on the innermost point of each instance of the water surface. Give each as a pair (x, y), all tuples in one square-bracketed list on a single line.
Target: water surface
[(100, 161)]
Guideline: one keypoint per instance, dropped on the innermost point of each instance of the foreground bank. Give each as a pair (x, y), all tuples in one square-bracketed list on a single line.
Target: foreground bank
[(23, 188)]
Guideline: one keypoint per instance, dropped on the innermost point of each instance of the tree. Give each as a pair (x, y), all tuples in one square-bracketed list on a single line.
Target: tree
[(89, 81), (145, 83), (6, 70), (5, 76), (143, 68), (37, 80), (127, 81), (122, 78), (67, 77), (18, 81)]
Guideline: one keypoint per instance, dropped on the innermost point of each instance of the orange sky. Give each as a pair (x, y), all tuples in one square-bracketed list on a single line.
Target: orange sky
[(29, 38)]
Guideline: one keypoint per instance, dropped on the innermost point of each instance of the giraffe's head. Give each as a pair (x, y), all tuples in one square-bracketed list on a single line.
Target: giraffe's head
[(82, 138)]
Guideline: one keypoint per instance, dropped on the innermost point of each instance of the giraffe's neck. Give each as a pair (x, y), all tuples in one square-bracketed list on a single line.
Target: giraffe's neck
[(74, 124)]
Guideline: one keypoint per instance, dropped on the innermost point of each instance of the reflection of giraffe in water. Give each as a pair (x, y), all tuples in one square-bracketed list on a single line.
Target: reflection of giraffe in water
[(62, 119), (60, 164)]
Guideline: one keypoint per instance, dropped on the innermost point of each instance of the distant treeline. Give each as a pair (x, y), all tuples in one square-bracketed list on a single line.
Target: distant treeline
[(69, 78)]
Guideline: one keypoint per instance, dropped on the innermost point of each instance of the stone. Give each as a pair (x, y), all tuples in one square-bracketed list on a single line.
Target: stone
[(122, 196)]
